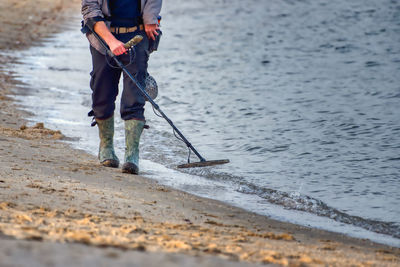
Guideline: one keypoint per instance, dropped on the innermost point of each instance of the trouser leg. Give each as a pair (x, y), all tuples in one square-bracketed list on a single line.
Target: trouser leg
[(132, 100), (132, 106), (104, 85)]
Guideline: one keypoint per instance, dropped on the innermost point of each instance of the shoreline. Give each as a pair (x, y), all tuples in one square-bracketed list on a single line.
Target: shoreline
[(49, 196)]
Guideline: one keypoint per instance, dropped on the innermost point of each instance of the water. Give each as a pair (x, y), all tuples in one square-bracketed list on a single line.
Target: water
[(301, 96)]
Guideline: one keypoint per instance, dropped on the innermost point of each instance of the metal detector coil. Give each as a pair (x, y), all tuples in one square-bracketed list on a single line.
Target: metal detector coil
[(203, 163)]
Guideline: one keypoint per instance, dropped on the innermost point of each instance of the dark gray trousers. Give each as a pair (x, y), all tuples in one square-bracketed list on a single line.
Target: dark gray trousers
[(105, 79)]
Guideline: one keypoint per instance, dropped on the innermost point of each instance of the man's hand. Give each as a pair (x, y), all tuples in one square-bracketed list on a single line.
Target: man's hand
[(116, 46), (151, 30)]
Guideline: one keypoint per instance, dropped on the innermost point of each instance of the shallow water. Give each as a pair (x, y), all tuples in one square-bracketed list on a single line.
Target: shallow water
[(302, 97)]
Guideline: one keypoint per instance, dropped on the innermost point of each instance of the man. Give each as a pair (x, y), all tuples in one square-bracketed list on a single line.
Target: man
[(116, 22)]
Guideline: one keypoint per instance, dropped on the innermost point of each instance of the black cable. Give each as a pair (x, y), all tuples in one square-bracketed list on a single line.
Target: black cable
[(155, 112), (189, 155), (180, 139), (132, 57), (177, 137)]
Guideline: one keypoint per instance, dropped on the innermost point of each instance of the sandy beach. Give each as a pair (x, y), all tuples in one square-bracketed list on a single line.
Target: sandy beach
[(59, 207)]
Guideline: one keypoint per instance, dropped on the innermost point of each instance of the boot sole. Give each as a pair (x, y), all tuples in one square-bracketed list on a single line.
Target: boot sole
[(131, 168), (111, 163)]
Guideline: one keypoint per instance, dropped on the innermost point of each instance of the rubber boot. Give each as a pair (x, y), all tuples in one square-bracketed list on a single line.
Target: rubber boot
[(133, 130), (107, 155)]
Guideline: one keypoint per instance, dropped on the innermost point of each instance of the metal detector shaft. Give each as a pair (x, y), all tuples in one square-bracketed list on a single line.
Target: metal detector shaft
[(147, 96), (154, 104)]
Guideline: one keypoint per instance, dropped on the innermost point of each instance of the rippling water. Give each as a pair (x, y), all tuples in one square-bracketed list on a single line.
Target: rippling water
[(302, 96)]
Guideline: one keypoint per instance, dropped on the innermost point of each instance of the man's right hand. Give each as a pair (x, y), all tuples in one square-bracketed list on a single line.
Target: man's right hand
[(116, 46)]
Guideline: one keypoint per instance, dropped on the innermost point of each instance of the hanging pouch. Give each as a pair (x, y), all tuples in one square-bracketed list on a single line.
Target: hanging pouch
[(153, 44)]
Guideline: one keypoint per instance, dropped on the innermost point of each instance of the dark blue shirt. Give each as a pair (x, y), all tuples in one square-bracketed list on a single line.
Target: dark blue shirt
[(124, 13)]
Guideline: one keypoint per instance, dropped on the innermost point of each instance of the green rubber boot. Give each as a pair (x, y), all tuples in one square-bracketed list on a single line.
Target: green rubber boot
[(133, 130), (107, 155)]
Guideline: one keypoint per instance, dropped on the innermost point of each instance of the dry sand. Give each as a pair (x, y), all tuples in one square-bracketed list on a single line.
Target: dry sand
[(58, 206)]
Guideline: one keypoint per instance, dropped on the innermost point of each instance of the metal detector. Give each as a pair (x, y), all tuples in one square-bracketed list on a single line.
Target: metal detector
[(130, 44)]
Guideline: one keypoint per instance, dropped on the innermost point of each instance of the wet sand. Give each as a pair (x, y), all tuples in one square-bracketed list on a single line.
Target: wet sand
[(59, 206)]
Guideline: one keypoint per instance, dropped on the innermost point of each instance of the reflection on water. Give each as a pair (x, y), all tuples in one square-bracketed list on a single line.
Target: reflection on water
[(301, 96)]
